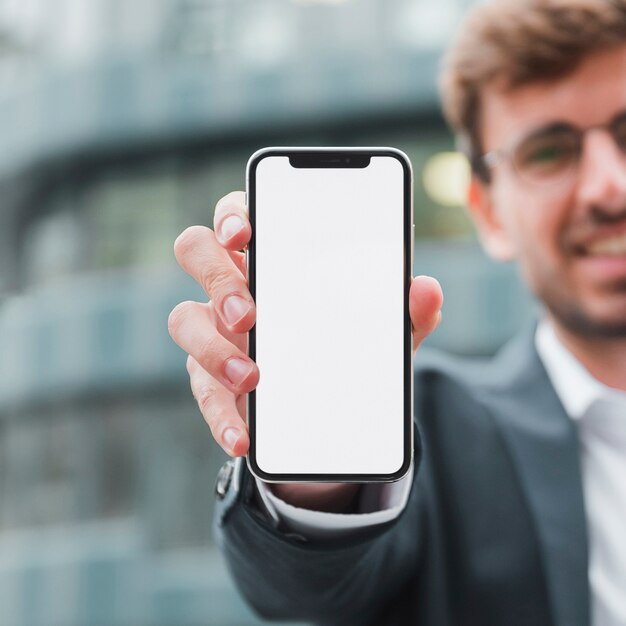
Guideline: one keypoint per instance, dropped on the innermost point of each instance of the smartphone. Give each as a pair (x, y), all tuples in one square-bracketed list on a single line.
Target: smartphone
[(329, 268)]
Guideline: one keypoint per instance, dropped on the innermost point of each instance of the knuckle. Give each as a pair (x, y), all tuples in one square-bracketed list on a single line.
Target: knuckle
[(205, 396), (209, 352), (216, 279), (189, 240), (178, 315)]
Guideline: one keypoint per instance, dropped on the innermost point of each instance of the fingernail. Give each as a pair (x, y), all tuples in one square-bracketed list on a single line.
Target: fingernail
[(237, 370), (231, 437), (230, 226), (235, 307)]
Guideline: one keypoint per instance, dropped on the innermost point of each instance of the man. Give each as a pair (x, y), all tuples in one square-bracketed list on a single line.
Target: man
[(516, 512)]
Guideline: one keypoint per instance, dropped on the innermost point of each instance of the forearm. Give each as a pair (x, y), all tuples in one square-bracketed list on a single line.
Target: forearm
[(327, 581)]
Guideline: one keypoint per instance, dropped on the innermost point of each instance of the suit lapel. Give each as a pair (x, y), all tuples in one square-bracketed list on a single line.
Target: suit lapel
[(544, 446)]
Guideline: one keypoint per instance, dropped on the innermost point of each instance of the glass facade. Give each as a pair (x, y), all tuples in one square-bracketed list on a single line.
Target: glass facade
[(122, 216)]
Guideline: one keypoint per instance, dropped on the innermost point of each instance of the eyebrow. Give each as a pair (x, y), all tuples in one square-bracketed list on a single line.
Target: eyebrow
[(553, 127), (562, 125)]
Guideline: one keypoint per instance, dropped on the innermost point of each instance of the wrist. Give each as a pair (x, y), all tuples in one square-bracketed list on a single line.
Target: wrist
[(324, 497)]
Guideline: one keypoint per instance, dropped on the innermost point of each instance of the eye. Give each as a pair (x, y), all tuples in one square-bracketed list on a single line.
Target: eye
[(547, 153)]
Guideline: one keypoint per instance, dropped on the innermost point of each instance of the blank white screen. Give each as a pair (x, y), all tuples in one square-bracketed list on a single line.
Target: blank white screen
[(330, 314)]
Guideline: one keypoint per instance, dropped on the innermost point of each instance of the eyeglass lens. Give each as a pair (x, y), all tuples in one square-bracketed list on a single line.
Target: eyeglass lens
[(554, 152), (547, 154)]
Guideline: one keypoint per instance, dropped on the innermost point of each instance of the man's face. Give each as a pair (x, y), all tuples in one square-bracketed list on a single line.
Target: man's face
[(570, 236)]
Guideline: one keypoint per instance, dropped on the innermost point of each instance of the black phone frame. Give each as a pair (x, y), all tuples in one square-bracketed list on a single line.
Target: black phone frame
[(325, 157)]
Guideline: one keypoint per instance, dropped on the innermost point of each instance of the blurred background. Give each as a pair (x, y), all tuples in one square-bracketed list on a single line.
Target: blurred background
[(121, 123)]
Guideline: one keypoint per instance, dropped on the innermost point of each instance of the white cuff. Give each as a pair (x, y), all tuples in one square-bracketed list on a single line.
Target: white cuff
[(378, 503)]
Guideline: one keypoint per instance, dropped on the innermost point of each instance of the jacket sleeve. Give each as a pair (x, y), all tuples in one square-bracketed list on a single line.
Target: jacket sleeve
[(377, 503), (345, 580)]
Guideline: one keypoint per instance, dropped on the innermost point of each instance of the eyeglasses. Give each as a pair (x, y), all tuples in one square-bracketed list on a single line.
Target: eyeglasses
[(552, 153)]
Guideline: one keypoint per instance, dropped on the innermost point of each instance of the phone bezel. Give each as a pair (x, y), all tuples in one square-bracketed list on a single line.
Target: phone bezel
[(323, 157)]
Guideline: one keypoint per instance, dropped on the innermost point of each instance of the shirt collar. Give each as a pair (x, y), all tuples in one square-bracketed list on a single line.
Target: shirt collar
[(576, 388)]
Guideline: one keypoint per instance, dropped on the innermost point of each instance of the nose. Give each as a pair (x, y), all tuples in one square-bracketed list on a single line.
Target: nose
[(602, 175)]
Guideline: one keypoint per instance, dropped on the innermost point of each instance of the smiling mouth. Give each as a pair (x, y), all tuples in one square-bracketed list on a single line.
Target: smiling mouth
[(614, 245)]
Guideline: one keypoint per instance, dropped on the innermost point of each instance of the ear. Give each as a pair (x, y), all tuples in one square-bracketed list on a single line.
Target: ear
[(491, 231)]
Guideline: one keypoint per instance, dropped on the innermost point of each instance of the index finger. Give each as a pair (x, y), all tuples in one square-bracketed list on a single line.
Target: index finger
[(230, 222)]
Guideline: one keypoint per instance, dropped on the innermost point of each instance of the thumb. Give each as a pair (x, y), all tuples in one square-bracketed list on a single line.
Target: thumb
[(425, 300)]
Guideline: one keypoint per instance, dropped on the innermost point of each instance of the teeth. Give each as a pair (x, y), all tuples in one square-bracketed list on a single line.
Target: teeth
[(613, 246)]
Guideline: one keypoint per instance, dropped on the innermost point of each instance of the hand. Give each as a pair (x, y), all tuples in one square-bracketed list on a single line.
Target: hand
[(214, 334)]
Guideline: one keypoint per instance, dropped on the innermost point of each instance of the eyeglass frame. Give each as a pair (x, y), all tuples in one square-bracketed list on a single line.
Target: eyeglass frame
[(483, 163)]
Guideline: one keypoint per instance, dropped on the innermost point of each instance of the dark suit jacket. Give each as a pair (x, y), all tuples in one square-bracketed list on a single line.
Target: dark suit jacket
[(494, 530)]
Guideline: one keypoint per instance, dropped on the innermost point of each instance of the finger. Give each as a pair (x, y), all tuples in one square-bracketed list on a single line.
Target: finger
[(239, 260), (231, 222), (238, 339), (241, 402), (191, 329), (219, 410), (425, 300), (200, 255)]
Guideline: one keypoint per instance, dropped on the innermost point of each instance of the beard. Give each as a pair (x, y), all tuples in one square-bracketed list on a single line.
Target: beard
[(565, 304), (576, 318)]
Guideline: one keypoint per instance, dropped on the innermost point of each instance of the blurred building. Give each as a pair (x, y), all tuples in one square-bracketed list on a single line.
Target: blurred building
[(121, 123)]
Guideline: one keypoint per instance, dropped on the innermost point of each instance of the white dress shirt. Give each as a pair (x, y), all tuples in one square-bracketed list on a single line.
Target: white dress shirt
[(599, 413), (378, 503)]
